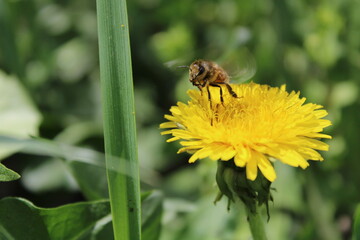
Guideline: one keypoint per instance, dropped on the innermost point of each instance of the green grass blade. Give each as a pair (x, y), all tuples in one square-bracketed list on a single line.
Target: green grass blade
[(119, 117)]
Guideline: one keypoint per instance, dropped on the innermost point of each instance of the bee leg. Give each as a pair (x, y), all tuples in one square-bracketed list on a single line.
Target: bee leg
[(209, 95), (230, 90), (221, 93)]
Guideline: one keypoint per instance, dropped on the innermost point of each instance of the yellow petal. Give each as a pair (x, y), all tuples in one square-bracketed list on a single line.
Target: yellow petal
[(266, 168), (168, 125), (187, 149), (228, 153), (251, 169), (191, 143), (293, 158), (170, 118), (193, 158), (320, 113), (202, 153), (317, 135), (166, 132), (172, 139), (310, 154), (324, 123), (182, 133), (242, 157), (175, 110), (217, 150), (316, 144)]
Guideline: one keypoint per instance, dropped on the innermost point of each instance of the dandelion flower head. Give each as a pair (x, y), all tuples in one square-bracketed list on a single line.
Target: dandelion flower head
[(261, 125)]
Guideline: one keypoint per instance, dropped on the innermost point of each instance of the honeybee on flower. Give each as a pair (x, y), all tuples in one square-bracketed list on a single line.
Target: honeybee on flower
[(245, 129), (237, 67)]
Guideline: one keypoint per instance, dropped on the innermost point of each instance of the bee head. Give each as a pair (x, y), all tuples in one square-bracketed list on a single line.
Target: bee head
[(197, 72)]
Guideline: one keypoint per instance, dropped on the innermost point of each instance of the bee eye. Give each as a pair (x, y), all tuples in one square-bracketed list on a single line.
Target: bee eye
[(201, 70)]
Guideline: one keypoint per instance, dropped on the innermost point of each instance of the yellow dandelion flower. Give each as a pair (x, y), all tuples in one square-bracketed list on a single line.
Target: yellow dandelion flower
[(263, 124)]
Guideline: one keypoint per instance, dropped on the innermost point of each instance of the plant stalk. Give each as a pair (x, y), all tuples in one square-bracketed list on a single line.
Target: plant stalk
[(119, 118), (256, 224)]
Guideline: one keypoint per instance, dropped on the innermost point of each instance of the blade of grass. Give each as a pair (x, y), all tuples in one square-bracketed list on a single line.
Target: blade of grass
[(119, 117)]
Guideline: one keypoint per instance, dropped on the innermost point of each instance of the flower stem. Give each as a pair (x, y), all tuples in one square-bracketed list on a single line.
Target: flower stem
[(256, 224)]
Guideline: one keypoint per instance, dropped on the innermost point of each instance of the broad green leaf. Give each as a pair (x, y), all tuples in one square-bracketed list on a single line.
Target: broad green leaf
[(18, 116), (151, 207), (7, 174), (20, 219), (74, 220), (356, 226)]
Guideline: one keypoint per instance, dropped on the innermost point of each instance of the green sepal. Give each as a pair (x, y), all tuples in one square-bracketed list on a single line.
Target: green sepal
[(223, 186), (232, 183)]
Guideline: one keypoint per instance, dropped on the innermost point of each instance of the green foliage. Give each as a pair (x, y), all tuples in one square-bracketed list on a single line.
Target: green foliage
[(49, 84), (91, 179), (151, 215), (23, 220), (7, 174), (173, 43), (19, 116), (356, 225), (16, 216), (20, 219), (119, 118)]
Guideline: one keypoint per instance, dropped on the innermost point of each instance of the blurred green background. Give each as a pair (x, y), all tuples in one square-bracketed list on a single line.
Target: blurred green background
[(49, 86)]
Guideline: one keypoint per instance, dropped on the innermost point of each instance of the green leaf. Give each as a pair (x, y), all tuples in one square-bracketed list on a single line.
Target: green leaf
[(356, 227), (151, 210), (86, 165), (119, 118), (151, 213), (91, 179), (73, 220), (20, 219), (7, 174), (84, 220), (102, 230), (19, 117)]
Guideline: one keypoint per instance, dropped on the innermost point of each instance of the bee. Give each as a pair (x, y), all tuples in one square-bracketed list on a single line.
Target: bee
[(203, 73)]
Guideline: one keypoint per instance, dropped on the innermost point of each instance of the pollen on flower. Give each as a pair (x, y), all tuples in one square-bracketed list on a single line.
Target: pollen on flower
[(262, 123)]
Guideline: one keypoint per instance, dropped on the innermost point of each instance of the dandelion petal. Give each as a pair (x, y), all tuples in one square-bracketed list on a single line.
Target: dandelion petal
[(251, 168), (266, 168)]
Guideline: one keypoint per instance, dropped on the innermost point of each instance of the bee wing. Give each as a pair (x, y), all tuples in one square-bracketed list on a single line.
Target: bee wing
[(240, 64), (176, 63)]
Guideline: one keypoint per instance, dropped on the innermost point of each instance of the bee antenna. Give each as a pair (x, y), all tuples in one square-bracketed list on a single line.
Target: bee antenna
[(184, 66)]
